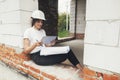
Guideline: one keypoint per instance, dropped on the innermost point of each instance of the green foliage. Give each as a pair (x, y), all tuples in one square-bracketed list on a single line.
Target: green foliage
[(62, 32), (62, 22)]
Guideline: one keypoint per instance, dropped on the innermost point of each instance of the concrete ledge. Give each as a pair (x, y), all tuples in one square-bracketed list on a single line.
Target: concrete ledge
[(78, 35), (23, 63)]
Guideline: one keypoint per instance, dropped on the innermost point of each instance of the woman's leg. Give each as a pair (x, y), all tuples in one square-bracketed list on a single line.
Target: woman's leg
[(47, 60), (73, 59), (54, 59)]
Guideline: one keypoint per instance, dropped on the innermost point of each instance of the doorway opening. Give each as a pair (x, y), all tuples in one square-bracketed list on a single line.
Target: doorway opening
[(64, 19)]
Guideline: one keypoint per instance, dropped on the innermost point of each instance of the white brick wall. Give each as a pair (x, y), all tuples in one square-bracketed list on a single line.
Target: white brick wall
[(72, 16), (104, 57), (81, 7), (108, 10), (14, 19), (102, 35)]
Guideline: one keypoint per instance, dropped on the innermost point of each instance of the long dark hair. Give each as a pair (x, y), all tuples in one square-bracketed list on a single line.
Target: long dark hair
[(34, 20)]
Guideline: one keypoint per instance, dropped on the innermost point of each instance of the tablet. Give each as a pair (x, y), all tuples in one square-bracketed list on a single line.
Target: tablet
[(48, 39)]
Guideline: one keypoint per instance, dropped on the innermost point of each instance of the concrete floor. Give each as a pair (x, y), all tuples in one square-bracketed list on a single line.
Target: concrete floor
[(7, 73), (77, 46)]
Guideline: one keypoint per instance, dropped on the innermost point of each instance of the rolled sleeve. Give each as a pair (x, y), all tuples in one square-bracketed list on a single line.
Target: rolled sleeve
[(26, 34)]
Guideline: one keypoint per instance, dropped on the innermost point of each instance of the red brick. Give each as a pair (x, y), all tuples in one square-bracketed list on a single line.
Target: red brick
[(30, 73), (89, 78), (26, 66), (41, 78), (89, 72), (8, 57), (33, 74), (36, 76), (111, 77), (12, 53), (48, 76), (34, 69), (25, 70), (107, 77), (22, 69), (115, 77)]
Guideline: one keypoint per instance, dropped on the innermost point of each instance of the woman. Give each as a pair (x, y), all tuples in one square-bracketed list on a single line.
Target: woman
[(32, 44)]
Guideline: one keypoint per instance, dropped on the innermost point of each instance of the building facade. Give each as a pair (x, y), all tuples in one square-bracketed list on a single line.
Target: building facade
[(99, 20), (102, 35)]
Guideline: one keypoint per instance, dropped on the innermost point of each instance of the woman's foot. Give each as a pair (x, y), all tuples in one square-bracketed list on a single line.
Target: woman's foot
[(79, 66)]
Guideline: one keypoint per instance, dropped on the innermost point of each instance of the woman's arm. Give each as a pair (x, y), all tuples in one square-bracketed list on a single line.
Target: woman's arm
[(27, 47)]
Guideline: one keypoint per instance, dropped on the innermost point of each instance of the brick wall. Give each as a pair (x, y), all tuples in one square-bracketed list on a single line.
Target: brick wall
[(11, 58), (91, 74), (78, 35)]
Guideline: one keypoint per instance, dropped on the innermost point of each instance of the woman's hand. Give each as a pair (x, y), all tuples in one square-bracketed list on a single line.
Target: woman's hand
[(28, 48), (38, 43), (51, 44)]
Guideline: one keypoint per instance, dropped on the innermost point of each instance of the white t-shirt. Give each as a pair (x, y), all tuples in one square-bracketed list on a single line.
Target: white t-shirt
[(34, 35)]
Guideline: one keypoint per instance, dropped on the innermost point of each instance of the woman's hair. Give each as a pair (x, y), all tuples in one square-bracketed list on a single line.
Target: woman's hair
[(34, 21)]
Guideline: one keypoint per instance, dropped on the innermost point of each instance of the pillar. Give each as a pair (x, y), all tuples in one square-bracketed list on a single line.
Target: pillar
[(15, 19), (102, 35)]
